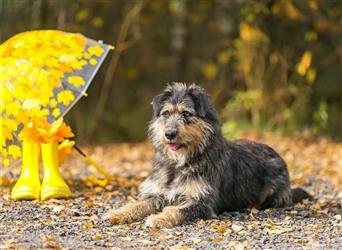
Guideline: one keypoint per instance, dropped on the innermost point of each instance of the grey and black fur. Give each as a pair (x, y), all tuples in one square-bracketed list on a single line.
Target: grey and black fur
[(196, 173)]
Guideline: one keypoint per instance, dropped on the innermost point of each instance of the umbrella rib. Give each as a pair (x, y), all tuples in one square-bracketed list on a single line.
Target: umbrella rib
[(76, 90), (63, 85), (15, 136)]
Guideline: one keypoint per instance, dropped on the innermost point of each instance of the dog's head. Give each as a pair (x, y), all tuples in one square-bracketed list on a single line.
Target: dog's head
[(184, 121)]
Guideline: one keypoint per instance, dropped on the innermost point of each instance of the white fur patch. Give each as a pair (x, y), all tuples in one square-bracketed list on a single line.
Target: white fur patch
[(150, 187), (154, 186), (193, 189), (156, 132), (178, 157)]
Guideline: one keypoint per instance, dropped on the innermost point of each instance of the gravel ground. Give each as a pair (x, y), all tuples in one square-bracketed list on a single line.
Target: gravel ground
[(76, 223)]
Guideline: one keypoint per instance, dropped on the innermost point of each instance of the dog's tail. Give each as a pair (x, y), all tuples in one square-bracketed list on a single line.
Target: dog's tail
[(299, 194)]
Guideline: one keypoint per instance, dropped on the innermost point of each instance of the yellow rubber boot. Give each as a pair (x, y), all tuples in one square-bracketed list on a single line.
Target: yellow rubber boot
[(28, 184), (53, 185)]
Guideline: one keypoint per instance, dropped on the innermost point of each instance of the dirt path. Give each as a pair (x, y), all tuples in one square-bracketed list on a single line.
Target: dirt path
[(76, 223)]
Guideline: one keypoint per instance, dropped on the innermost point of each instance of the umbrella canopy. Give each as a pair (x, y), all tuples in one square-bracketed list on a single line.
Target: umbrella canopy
[(43, 74)]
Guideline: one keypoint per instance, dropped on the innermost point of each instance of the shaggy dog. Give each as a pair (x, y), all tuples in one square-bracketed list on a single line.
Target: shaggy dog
[(196, 173)]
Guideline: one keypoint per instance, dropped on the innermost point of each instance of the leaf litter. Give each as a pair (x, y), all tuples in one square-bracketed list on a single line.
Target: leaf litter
[(76, 223)]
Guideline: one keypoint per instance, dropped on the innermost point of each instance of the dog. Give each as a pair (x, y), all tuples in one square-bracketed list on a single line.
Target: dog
[(196, 173)]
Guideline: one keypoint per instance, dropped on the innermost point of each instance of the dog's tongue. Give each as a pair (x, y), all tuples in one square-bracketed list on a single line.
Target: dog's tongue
[(174, 146)]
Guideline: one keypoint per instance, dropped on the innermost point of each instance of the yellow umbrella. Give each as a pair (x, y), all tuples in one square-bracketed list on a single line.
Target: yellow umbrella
[(43, 74)]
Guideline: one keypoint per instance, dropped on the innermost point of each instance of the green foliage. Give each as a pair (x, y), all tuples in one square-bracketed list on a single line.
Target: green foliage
[(279, 70), (321, 117)]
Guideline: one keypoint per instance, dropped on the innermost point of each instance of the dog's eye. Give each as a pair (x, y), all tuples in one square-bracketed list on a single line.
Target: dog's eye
[(166, 114), (187, 114)]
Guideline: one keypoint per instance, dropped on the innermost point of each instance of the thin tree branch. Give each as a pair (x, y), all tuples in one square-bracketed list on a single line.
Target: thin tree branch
[(121, 45)]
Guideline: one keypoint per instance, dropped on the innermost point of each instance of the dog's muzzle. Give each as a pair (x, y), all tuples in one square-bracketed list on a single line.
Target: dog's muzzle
[(171, 134)]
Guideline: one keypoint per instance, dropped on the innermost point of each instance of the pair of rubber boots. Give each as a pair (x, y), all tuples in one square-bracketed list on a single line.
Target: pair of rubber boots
[(28, 186)]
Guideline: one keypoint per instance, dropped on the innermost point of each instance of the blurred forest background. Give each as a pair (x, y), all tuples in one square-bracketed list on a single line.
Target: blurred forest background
[(268, 64)]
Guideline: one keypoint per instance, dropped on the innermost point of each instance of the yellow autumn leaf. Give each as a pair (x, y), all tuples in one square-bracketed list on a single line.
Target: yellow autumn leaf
[(3, 152), (30, 133), (304, 63), (82, 15), (93, 61), (39, 112), (13, 108), (67, 58), (217, 240), (77, 81), (53, 103), (311, 75), (14, 151), (291, 11), (2, 106), (313, 4), (5, 135), (56, 112), (62, 133), (30, 104), (86, 55), (210, 71), (6, 162), (10, 124), (223, 57), (95, 50), (41, 131), (78, 65), (55, 126), (65, 97), (97, 22), (64, 149), (98, 182), (250, 33)]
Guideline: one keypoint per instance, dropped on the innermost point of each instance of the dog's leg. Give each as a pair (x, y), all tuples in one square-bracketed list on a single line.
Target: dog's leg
[(176, 215), (131, 212)]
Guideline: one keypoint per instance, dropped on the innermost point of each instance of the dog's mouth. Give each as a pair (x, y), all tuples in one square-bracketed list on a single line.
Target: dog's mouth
[(174, 146)]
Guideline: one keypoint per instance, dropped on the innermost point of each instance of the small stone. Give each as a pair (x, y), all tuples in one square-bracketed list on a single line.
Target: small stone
[(237, 228), (338, 217)]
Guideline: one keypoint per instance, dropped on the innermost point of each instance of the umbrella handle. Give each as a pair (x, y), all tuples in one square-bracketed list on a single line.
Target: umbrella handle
[(100, 169), (90, 161)]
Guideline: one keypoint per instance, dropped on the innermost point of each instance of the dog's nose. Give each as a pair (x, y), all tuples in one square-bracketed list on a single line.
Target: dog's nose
[(171, 134)]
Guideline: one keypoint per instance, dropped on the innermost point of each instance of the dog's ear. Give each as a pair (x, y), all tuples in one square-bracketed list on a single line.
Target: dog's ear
[(203, 104), (201, 100), (157, 103)]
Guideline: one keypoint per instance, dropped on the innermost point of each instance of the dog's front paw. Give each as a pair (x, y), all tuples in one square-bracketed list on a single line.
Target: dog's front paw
[(117, 216), (158, 221)]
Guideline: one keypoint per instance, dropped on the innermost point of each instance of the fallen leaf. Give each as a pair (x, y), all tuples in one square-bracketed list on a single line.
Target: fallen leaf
[(200, 222), (89, 225), (254, 211), (293, 212), (236, 245), (98, 237), (217, 240), (147, 242), (220, 228), (51, 241), (338, 217), (57, 209), (196, 240), (126, 238), (237, 228)]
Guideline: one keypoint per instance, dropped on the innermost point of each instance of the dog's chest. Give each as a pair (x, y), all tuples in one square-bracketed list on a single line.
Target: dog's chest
[(185, 184), (178, 184)]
